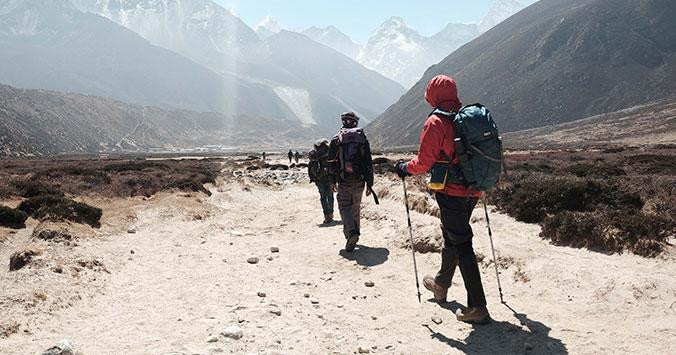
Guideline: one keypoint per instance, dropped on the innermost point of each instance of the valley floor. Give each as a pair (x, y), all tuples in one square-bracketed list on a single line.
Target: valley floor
[(183, 277)]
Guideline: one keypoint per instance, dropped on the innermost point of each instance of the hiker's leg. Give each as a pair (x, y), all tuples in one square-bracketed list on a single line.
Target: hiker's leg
[(455, 216), (449, 257), (329, 199), (323, 196), (449, 261), (344, 198), (358, 192), (471, 275), (468, 263)]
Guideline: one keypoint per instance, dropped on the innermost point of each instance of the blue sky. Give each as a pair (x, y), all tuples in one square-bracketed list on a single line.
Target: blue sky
[(358, 18)]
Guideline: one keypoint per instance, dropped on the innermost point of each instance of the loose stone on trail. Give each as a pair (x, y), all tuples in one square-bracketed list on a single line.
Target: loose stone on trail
[(436, 319), (253, 260), (261, 294), (64, 347), (276, 311), (233, 332), (369, 284), (274, 249)]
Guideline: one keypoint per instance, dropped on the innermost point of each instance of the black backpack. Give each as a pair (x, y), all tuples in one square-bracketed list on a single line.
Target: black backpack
[(352, 142)]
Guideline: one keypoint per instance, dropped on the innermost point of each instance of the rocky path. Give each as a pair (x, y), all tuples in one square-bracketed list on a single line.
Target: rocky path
[(249, 270)]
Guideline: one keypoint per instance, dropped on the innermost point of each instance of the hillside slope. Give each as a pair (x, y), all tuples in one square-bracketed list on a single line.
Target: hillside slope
[(649, 124), (41, 123), (49, 44), (553, 62)]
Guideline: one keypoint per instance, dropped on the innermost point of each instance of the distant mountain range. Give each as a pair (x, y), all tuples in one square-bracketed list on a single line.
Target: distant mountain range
[(44, 123), (556, 61), (396, 50), (191, 55)]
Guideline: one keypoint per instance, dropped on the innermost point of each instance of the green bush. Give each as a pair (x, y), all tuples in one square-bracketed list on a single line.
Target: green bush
[(12, 218)]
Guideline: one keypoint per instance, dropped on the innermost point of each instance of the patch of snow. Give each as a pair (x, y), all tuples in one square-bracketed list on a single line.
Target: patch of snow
[(298, 100)]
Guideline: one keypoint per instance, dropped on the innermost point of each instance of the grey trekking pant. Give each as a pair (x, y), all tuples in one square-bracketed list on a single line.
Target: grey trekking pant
[(349, 203)]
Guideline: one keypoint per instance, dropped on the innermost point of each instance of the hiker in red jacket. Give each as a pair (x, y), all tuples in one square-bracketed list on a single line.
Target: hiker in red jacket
[(456, 202)]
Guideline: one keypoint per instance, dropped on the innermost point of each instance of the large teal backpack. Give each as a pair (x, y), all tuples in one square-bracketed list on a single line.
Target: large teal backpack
[(478, 146)]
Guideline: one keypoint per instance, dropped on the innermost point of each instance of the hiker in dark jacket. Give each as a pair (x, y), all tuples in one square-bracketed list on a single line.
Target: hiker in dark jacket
[(456, 203), (297, 157), (290, 156), (351, 170), (318, 170)]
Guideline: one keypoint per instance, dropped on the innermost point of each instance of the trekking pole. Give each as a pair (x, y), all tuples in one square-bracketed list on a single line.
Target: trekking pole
[(495, 261), (410, 232)]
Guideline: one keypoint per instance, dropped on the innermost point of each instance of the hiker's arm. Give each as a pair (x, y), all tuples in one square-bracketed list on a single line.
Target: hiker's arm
[(310, 172), (431, 142), (368, 164), (332, 162)]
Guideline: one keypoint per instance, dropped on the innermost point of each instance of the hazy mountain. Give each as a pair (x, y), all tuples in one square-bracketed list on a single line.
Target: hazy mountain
[(333, 38), (553, 62), (393, 50), (198, 29), (266, 62), (38, 122), (268, 27), (317, 82), (399, 52), (49, 44), (498, 12)]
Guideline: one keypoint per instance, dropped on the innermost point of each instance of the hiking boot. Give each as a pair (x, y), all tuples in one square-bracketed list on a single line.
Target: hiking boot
[(478, 315), (438, 291), (351, 242), (329, 218)]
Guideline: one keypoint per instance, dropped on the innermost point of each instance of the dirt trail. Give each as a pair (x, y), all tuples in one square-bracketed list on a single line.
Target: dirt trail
[(188, 279)]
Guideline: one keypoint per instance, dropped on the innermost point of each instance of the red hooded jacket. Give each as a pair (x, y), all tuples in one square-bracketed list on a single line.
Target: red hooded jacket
[(436, 139)]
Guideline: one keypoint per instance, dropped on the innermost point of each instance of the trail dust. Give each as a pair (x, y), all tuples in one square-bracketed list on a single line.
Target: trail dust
[(178, 275)]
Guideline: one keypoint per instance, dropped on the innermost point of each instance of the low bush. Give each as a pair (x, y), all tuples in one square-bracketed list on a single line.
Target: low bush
[(12, 218), (609, 232), (32, 188), (531, 197), (51, 207)]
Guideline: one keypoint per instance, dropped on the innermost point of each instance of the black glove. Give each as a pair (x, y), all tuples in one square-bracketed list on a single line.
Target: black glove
[(400, 169)]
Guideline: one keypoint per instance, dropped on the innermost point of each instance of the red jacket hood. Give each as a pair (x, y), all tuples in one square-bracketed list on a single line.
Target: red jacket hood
[(442, 93)]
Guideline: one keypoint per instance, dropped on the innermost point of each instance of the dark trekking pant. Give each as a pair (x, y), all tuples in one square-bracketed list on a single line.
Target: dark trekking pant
[(349, 204), (458, 250), (326, 197)]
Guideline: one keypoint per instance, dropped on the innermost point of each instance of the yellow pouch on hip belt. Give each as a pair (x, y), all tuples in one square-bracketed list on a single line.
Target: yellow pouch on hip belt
[(438, 176)]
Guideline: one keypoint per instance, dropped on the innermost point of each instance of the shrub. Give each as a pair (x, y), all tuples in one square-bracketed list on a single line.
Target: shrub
[(610, 232), (531, 197), (61, 208), (32, 188), (12, 218)]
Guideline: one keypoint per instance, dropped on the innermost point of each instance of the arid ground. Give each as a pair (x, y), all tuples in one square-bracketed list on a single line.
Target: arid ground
[(179, 271)]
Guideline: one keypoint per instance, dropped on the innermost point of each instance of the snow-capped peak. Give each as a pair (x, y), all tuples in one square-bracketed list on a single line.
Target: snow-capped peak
[(268, 27), (500, 11), (333, 38)]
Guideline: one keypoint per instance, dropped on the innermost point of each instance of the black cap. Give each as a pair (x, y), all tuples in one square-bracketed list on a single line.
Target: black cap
[(349, 116)]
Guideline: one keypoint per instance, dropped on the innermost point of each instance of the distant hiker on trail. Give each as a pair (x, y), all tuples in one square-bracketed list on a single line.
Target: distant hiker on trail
[(456, 202), (350, 169), (318, 169), (263, 156), (297, 156), (290, 156)]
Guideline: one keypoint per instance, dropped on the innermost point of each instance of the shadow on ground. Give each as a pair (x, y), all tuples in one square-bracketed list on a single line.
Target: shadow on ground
[(500, 337), (331, 224), (367, 256)]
